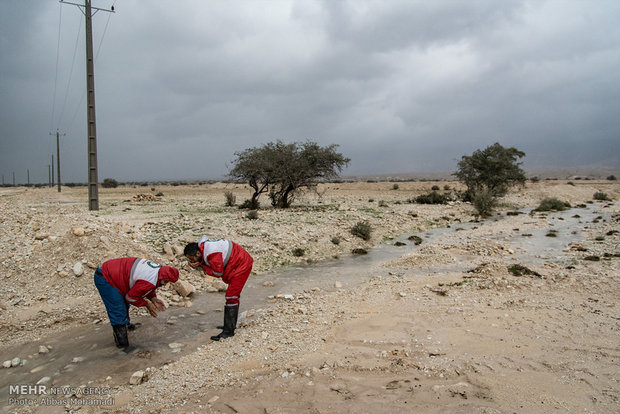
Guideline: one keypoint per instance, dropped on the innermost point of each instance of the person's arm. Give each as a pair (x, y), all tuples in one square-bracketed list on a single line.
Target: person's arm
[(138, 292), (216, 263)]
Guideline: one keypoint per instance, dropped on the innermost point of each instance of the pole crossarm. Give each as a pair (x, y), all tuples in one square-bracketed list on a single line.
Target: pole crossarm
[(93, 8)]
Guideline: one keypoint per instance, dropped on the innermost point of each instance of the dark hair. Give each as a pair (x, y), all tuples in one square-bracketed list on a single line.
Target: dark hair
[(191, 249)]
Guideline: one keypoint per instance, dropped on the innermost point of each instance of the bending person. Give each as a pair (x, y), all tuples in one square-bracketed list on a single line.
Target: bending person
[(131, 281), (227, 260)]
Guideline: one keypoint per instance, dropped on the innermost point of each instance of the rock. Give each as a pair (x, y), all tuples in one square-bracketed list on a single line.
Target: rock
[(168, 249), (268, 283), (176, 345), (213, 399), (338, 285), (44, 380), (6, 364), (183, 288), (15, 362), (136, 378), (402, 294), (43, 349), (63, 273), (219, 285), (78, 269), (41, 236), (78, 231), (77, 359), (177, 250)]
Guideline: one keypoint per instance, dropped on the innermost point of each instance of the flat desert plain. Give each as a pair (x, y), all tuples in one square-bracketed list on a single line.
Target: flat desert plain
[(517, 313)]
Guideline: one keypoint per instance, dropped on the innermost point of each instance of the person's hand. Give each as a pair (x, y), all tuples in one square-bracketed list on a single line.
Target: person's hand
[(152, 309), (193, 265), (159, 304)]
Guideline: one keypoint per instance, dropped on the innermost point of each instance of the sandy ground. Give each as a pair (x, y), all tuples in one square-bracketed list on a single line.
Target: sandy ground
[(445, 329)]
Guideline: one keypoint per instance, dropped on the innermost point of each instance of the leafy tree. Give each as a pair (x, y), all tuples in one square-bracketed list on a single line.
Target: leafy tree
[(284, 169), (257, 167), (494, 169)]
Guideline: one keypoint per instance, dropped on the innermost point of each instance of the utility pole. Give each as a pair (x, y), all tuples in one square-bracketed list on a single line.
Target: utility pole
[(93, 190), (13, 178), (49, 176), (28, 175), (58, 156), (52, 170)]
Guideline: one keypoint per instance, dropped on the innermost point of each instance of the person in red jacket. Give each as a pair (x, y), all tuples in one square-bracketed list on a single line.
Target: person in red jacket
[(131, 281), (227, 260)]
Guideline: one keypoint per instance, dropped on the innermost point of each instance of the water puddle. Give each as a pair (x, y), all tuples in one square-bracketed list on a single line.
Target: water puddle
[(88, 353)]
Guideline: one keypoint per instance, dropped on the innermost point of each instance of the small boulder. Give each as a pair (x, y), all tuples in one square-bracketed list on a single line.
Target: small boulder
[(183, 288)]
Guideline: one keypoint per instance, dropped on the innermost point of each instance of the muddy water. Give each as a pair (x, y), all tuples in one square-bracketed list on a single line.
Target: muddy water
[(88, 353)]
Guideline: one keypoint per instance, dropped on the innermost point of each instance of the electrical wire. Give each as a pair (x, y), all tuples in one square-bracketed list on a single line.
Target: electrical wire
[(94, 60), (56, 75), (77, 39)]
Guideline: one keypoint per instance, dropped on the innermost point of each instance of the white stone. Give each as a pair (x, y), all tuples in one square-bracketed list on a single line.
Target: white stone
[(15, 362), (78, 269), (136, 378), (43, 349)]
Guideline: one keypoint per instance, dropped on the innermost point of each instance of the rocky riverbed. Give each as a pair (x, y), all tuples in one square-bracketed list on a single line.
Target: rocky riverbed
[(453, 326)]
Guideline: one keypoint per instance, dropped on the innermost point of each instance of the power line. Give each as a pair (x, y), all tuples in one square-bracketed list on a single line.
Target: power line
[(56, 75)]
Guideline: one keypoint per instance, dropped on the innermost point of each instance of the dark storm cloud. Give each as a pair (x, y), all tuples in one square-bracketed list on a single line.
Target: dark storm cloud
[(400, 86)]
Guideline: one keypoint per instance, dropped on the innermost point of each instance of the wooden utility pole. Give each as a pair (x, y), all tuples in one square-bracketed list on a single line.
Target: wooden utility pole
[(52, 170), (57, 156), (93, 190)]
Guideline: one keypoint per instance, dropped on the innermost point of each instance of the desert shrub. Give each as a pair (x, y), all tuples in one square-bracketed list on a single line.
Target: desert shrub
[(362, 229), (612, 178), (520, 270), (335, 240), (160, 194), (431, 198), (383, 203), (534, 179), (250, 205), (549, 204), (230, 198), (417, 240), (298, 252), (252, 214), (435, 188), (601, 196), (109, 183), (571, 183), (446, 187), (395, 187), (484, 202)]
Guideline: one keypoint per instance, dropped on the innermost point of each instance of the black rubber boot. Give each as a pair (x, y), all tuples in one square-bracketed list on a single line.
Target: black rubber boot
[(230, 322), (120, 336)]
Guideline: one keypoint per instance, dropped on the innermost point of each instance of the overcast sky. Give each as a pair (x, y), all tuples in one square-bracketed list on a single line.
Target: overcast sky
[(400, 85)]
